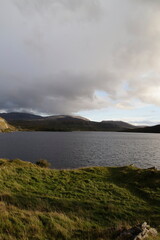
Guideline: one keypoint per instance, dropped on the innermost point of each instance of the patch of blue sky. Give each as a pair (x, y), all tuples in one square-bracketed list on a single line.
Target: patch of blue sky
[(101, 93), (126, 86)]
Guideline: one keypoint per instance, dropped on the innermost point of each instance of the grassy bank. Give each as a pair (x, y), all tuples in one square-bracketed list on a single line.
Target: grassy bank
[(88, 203)]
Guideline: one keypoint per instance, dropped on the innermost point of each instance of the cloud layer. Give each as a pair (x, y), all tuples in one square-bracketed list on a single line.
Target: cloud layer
[(59, 56)]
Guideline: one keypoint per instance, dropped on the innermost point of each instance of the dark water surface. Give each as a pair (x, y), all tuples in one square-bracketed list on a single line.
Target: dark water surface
[(80, 149)]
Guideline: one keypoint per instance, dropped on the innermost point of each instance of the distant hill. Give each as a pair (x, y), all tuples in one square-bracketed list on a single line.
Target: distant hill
[(27, 121), (153, 129), (119, 125)]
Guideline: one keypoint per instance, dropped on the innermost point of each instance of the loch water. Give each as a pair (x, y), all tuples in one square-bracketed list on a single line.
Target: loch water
[(80, 149)]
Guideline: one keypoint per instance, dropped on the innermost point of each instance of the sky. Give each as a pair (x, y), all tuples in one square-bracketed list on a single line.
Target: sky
[(96, 58)]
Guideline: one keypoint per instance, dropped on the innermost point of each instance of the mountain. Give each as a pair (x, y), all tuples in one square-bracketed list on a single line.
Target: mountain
[(53, 123), (27, 121), (13, 116), (4, 126), (65, 118)]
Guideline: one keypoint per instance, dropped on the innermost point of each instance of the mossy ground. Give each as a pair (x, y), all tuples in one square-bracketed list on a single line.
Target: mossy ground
[(88, 203)]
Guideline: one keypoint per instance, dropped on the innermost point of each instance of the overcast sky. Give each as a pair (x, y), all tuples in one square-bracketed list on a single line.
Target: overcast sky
[(96, 58)]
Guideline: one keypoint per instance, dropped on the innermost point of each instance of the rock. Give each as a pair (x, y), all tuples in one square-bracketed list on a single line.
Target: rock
[(144, 226), (153, 232), (138, 237), (144, 232), (139, 232)]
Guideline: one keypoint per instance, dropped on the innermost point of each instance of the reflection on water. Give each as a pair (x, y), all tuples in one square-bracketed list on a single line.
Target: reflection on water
[(79, 149)]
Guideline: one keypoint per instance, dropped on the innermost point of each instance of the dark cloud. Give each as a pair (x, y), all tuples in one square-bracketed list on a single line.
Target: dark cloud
[(56, 54)]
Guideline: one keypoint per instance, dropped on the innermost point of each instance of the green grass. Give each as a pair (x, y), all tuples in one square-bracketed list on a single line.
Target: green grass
[(88, 203)]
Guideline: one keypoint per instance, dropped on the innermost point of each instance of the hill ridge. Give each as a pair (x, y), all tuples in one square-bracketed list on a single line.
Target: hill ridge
[(27, 121)]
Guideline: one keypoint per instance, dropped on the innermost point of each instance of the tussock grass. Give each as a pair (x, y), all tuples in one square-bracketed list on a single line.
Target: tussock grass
[(89, 203)]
